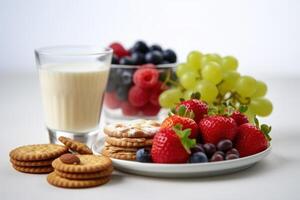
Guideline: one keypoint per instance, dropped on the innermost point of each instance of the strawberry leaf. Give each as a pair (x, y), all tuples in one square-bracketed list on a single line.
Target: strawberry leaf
[(265, 129), (181, 110), (243, 108), (212, 110), (196, 95), (256, 122), (173, 110), (184, 137)]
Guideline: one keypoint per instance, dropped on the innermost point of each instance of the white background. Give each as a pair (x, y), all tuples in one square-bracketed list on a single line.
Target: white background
[(262, 34)]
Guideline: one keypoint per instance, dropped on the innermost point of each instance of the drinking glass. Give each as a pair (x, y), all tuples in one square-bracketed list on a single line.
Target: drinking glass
[(73, 80)]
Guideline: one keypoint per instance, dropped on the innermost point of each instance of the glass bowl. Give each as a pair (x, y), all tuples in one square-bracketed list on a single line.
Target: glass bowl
[(118, 104)]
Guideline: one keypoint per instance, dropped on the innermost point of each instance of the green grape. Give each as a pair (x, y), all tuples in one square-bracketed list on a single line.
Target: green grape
[(194, 59), (246, 86), (261, 106), (188, 80), (184, 67), (211, 57), (207, 90), (229, 80), (212, 72), (180, 69), (169, 98), (261, 89), (229, 63), (187, 94)]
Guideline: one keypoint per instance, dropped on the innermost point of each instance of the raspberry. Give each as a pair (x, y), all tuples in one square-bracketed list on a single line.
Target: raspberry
[(146, 77), (119, 50), (150, 109), (154, 98), (155, 92), (138, 97), (128, 109), (239, 118), (111, 100)]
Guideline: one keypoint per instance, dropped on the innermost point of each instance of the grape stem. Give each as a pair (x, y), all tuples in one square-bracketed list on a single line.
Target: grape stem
[(169, 80)]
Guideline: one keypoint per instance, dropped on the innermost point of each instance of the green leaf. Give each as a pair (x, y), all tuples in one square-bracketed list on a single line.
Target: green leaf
[(256, 122), (266, 130), (181, 99), (230, 110), (212, 110), (243, 108), (184, 137), (173, 110), (196, 95), (181, 110)]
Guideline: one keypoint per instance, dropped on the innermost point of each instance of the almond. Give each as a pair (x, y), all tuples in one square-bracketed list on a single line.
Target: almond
[(69, 158)]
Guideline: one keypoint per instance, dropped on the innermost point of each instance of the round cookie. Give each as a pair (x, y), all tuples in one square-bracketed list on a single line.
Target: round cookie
[(75, 145), (58, 181), (37, 152), (123, 153), (83, 176), (88, 164), (133, 129), (31, 163), (119, 155), (128, 142), (34, 170)]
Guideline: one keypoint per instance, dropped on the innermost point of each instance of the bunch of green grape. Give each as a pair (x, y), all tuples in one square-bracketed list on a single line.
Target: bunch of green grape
[(217, 80)]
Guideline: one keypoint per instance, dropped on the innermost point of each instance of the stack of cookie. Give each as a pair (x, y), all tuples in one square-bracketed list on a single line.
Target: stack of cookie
[(124, 139), (36, 159), (80, 171)]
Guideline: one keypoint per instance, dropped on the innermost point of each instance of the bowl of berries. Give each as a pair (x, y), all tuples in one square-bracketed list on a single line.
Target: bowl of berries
[(137, 78)]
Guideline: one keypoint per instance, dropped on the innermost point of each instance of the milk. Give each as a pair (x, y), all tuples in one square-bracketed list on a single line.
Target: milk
[(72, 96)]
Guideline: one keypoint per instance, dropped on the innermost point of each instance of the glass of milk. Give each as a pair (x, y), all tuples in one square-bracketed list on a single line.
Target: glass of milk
[(73, 81)]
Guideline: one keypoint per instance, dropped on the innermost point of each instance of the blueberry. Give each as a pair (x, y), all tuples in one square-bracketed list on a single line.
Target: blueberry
[(140, 46), (221, 153), (169, 55), (154, 57), (113, 79), (122, 92), (126, 77), (198, 157), (126, 61), (143, 155), (198, 148), (115, 59), (217, 157), (231, 156), (155, 47), (224, 145), (111, 86), (138, 58), (209, 148), (233, 151)]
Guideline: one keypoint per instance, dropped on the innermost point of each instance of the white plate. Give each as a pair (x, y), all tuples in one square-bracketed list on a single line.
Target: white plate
[(183, 170)]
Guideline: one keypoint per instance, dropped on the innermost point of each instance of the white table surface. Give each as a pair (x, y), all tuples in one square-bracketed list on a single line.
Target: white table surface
[(276, 177)]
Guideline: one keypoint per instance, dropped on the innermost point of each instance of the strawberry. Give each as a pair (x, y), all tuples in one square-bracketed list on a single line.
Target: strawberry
[(172, 145), (184, 121), (216, 128), (251, 140), (239, 118), (198, 107)]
